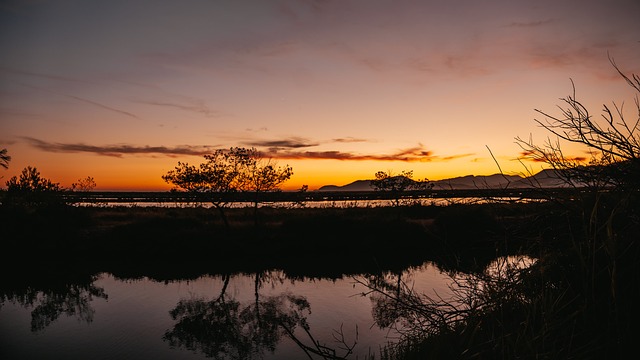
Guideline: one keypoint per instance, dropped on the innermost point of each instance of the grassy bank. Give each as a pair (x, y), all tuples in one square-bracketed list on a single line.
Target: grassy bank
[(304, 241)]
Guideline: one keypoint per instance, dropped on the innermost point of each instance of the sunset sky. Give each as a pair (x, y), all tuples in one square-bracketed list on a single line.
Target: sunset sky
[(121, 90)]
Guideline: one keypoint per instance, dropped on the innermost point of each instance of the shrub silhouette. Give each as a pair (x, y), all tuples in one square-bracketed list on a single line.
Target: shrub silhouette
[(31, 190)]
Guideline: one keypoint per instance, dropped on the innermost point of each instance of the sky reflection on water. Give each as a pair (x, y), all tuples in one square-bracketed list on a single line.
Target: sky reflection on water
[(133, 318)]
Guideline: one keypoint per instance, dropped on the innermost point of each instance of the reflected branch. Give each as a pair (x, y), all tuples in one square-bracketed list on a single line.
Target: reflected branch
[(225, 328), (49, 304), (472, 297)]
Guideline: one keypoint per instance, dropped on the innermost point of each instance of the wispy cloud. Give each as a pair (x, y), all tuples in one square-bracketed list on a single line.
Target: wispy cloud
[(94, 103), (413, 154), (7, 70), (339, 155), (455, 157), (193, 105), (261, 129), (289, 143), (349, 140), (536, 157), (120, 149), (530, 23), (299, 142), (103, 106)]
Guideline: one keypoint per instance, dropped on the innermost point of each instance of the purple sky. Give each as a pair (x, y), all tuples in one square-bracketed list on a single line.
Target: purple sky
[(122, 90)]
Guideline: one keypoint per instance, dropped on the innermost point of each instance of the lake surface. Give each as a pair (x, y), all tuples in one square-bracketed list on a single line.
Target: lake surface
[(209, 317), (318, 204)]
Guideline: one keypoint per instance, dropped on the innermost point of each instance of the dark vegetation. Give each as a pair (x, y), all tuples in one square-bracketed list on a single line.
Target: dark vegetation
[(324, 242), (577, 299), (571, 302)]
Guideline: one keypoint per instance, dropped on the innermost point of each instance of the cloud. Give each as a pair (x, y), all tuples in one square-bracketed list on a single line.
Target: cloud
[(530, 23), (103, 106), (459, 156), (290, 143), (349, 139), (413, 154), (262, 129), (195, 105), (338, 155), (296, 142), (119, 150), (42, 75), (535, 156)]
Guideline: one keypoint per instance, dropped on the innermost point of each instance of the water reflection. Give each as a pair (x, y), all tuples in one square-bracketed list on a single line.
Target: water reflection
[(225, 328), (47, 304), (243, 316), (264, 315), (413, 314)]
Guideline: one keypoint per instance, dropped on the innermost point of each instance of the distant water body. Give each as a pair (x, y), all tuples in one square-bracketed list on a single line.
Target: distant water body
[(315, 204)]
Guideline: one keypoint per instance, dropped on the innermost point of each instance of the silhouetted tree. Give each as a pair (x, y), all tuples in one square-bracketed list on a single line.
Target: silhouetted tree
[(300, 202), (30, 180), (31, 189), (398, 184), (217, 176), (229, 171), (613, 140), (259, 175), (85, 184), (604, 248)]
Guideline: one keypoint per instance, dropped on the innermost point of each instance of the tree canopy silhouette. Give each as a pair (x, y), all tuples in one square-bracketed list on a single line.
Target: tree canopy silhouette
[(31, 189), (228, 171), (398, 184)]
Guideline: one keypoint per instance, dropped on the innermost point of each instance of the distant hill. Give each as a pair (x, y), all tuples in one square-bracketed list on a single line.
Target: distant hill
[(545, 178), (477, 182), (358, 185)]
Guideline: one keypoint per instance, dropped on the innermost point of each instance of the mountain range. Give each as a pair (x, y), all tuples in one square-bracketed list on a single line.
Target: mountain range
[(545, 178)]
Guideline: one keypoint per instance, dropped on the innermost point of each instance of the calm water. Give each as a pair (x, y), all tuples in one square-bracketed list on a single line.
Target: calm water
[(321, 204), (132, 319)]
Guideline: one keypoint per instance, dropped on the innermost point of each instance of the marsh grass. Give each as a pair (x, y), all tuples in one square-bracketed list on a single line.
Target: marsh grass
[(324, 241)]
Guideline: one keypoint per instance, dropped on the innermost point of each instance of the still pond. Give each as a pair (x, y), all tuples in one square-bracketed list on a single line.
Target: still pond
[(207, 317)]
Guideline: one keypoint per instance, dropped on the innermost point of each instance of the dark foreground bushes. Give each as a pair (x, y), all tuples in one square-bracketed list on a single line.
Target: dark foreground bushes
[(307, 241), (578, 300)]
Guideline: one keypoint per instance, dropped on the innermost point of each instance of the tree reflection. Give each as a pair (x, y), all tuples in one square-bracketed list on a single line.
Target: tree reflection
[(472, 302), (49, 304), (226, 329)]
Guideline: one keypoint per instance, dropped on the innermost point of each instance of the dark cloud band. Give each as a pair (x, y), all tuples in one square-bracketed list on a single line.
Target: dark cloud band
[(119, 150), (414, 154)]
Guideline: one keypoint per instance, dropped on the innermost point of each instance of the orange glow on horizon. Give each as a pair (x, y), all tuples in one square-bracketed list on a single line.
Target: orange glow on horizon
[(144, 173)]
